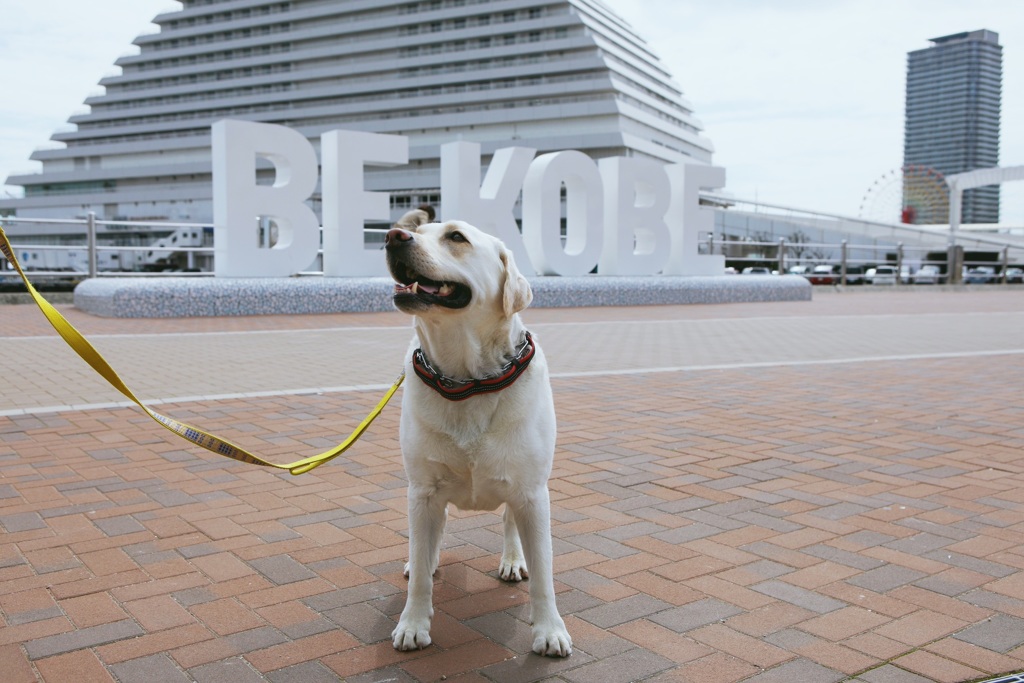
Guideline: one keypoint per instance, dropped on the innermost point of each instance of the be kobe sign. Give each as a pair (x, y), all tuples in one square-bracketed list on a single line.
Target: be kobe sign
[(624, 215)]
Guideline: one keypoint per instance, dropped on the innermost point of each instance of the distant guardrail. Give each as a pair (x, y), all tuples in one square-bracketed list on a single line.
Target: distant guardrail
[(152, 248), (850, 263)]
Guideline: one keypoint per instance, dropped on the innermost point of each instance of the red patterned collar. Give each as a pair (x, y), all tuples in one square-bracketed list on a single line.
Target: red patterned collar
[(459, 390)]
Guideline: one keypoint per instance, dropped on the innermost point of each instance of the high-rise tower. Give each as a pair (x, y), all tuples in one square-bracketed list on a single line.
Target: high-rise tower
[(547, 74), (952, 114)]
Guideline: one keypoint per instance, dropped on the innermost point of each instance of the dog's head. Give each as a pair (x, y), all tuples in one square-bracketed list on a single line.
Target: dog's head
[(452, 266)]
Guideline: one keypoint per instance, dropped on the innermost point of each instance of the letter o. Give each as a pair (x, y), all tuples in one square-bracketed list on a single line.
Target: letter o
[(542, 213)]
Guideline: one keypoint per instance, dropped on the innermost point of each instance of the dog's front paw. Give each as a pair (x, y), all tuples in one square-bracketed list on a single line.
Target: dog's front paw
[(552, 640), (512, 568), (411, 634)]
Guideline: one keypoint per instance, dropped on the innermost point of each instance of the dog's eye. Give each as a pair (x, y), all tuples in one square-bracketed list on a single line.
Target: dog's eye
[(457, 237)]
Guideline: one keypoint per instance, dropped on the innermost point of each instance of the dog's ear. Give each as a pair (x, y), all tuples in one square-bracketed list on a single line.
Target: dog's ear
[(415, 218), (516, 294)]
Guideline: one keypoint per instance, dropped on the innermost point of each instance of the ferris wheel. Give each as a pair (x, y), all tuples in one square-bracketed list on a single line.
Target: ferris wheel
[(912, 194)]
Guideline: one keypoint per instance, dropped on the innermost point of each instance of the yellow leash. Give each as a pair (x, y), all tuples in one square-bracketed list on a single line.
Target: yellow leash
[(212, 443)]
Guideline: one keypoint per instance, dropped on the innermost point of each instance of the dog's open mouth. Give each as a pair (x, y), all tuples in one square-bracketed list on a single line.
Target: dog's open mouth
[(412, 286)]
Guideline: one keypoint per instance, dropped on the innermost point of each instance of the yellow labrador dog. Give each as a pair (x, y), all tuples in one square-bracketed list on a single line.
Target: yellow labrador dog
[(478, 421)]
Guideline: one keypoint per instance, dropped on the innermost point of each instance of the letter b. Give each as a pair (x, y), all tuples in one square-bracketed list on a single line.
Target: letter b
[(240, 205)]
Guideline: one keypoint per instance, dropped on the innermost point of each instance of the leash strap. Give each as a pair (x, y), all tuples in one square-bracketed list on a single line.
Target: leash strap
[(203, 439)]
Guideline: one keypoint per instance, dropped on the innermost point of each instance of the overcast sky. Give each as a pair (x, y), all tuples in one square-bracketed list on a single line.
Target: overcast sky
[(803, 99)]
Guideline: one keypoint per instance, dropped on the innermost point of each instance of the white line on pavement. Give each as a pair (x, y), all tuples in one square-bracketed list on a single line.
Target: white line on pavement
[(557, 375)]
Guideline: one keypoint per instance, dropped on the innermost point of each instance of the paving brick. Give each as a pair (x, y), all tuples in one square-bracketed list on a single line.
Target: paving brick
[(15, 665), (627, 666), (660, 588), (844, 623), (119, 526), (203, 652), (483, 603), (716, 666), (696, 614), (307, 672), (769, 619), (586, 637), (23, 633), (81, 666), (233, 670), (885, 578), (152, 643), (105, 562), (27, 606), (891, 674), (798, 670), (839, 657), (149, 669), (920, 627), (935, 668), (301, 650), (226, 616), (92, 610), (365, 622), (525, 668), (800, 597), (1001, 633), (741, 646), (25, 521), (52, 560), (82, 638), (469, 657), (255, 639), (662, 641), (158, 612), (621, 611), (222, 566), (977, 657), (876, 646), (281, 569)]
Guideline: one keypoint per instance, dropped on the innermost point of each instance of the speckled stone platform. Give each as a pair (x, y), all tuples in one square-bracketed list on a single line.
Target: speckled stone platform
[(183, 297)]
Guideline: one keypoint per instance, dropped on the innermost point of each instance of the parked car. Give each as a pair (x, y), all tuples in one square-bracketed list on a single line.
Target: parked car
[(869, 276), (802, 269), (884, 275), (927, 275), (855, 275), (756, 270), (824, 275), (980, 275), (1015, 276)]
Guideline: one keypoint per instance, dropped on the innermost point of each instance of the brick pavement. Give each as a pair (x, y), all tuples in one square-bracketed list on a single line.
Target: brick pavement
[(857, 521)]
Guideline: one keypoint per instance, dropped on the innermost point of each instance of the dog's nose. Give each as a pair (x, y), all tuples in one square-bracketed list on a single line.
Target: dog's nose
[(396, 236)]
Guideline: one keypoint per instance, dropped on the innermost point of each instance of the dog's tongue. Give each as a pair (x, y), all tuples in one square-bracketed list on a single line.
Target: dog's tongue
[(416, 287)]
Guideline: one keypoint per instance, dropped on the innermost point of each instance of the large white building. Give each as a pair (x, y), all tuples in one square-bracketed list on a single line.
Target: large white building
[(546, 74)]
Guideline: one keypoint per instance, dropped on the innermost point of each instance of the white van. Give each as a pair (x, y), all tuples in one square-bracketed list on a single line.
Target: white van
[(884, 275)]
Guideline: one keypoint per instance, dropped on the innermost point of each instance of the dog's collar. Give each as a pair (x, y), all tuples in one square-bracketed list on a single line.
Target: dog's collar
[(459, 390)]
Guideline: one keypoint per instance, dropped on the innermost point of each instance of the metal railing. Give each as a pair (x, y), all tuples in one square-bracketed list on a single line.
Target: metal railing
[(846, 263), (87, 239), (841, 262)]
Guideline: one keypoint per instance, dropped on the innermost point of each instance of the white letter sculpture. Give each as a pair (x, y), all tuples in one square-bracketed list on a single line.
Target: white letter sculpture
[(488, 206), (542, 213), (239, 203), (636, 199), (687, 219), (346, 204)]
